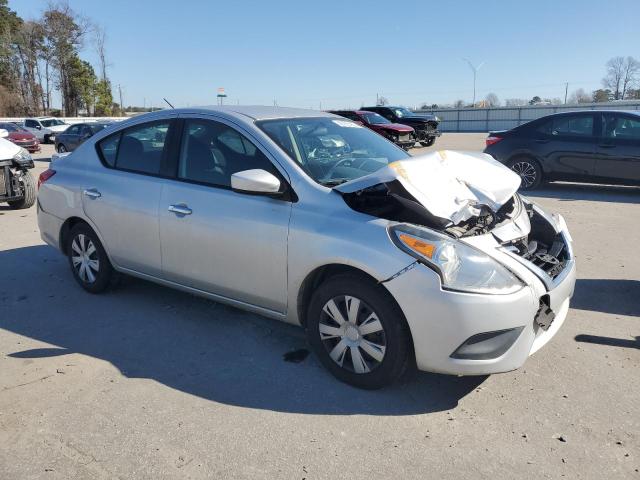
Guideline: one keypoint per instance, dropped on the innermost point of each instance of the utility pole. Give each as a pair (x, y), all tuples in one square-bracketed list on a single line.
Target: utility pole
[(566, 90), (475, 74), (121, 105)]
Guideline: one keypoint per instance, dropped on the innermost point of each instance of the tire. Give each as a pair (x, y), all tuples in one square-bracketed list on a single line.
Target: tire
[(61, 148), (528, 170), (88, 261), (385, 355), (28, 193), (430, 141), (47, 139)]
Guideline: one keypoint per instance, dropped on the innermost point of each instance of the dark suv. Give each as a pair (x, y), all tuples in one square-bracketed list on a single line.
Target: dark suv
[(594, 146), (425, 125), (401, 135)]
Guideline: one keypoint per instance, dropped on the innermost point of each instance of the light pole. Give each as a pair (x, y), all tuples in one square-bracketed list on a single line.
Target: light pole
[(475, 74)]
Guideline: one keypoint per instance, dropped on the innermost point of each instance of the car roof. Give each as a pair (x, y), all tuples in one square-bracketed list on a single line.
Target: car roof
[(256, 112), (596, 110)]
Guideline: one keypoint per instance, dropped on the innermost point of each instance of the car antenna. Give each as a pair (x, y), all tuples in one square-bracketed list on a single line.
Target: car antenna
[(168, 103)]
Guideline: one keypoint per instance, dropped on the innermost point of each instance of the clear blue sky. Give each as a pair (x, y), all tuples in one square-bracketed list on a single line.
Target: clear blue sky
[(342, 53)]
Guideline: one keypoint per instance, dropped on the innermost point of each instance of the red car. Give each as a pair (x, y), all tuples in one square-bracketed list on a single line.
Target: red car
[(401, 135), (21, 137)]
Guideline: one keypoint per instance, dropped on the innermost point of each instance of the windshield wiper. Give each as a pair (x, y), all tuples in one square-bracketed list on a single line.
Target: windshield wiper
[(335, 182)]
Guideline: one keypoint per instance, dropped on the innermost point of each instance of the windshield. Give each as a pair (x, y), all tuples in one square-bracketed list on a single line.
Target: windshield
[(332, 151), (375, 119), (403, 112), (51, 123)]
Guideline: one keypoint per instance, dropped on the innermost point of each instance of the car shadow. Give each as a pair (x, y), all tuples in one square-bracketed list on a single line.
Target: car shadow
[(587, 192), (619, 297), (193, 345), (609, 341)]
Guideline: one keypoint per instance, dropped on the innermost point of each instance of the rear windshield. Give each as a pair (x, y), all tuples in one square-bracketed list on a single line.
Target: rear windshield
[(330, 150)]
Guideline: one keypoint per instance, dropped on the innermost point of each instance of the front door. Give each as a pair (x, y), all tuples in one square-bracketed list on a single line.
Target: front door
[(213, 238), (567, 146), (619, 148)]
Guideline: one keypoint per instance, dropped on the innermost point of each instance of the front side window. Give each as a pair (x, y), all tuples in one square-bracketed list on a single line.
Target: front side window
[(30, 123), (138, 149), (52, 122), (571, 126), (620, 127), (332, 151), (211, 152)]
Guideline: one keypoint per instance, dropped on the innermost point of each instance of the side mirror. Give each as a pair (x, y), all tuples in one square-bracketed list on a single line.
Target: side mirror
[(255, 181), (4, 133)]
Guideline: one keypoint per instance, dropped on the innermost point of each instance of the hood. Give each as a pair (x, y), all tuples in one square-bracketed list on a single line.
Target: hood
[(7, 149), (21, 136), (395, 127), (446, 187), (58, 128)]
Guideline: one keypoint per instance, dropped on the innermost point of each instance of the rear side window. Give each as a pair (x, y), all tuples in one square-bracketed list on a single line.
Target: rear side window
[(138, 149), (571, 126)]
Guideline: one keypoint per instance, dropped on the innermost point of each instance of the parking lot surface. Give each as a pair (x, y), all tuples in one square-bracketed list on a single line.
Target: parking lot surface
[(147, 382)]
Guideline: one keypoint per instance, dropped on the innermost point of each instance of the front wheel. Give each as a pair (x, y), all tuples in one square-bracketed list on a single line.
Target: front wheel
[(89, 262), (28, 187), (61, 148), (528, 170), (430, 141), (358, 332)]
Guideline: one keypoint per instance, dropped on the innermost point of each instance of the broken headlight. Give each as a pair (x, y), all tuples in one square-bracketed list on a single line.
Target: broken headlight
[(23, 158), (460, 266)]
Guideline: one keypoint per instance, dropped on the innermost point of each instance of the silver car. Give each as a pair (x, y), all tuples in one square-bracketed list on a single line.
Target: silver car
[(386, 260)]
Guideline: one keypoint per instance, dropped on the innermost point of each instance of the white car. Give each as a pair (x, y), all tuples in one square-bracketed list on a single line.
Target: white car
[(45, 128)]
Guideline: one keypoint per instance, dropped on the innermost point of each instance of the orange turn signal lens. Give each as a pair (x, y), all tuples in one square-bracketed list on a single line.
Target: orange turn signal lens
[(420, 246)]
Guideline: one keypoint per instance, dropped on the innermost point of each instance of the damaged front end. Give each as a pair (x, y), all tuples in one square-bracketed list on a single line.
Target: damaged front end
[(457, 196)]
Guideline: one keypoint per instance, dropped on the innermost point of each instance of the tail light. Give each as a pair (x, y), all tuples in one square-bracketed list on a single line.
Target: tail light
[(492, 140), (44, 176)]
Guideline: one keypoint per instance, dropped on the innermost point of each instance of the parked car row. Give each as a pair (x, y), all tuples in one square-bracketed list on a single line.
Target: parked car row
[(600, 146), (398, 124)]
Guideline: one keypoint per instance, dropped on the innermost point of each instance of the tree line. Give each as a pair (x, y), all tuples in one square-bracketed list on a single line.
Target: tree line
[(38, 57)]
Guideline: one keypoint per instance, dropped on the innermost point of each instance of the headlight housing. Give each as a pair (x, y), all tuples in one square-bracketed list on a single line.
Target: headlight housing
[(23, 158), (460, 266)]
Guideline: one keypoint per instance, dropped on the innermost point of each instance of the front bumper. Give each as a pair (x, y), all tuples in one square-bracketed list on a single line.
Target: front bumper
[(442, 320)]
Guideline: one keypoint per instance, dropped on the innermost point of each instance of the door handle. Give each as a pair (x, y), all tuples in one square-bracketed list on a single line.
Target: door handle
[(606, 145), (92, 193), (181, 209)]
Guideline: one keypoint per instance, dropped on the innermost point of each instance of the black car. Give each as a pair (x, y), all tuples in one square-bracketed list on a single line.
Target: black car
[(425, 125), (73, 136), (594, 146)]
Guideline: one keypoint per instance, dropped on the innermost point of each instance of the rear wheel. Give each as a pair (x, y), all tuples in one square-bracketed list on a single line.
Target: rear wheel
[(358, 332), (89, 262), (61, 148), (528, 170), (28, 185)]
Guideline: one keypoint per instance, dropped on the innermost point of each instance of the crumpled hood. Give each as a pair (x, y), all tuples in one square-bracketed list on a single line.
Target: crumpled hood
[(449, 184), (7, 149)]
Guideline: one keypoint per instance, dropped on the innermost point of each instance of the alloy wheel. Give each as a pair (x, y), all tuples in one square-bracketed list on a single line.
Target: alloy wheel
[(85, 258), (526, 171), (352, 334)]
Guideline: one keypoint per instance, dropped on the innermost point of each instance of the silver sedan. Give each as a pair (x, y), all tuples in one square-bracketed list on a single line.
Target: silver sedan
[(386, 260)]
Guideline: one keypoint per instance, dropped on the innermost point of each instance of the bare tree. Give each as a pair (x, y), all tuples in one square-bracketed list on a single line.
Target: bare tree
[(615, 74), (383, 101), (580, 96), (631, 68), (492, 100), (515, 102), (100, 39), (459, 104)]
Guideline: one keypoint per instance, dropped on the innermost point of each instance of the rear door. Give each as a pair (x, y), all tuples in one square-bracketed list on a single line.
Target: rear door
[(121, 194), (618, 156), (566, 145), (213, 238), (70, 137)]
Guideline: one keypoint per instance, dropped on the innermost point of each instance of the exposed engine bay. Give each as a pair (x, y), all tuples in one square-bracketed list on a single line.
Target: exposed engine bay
[(464, 195)]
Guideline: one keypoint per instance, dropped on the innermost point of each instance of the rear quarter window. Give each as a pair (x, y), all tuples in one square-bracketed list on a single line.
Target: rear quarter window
[(108, 148)]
